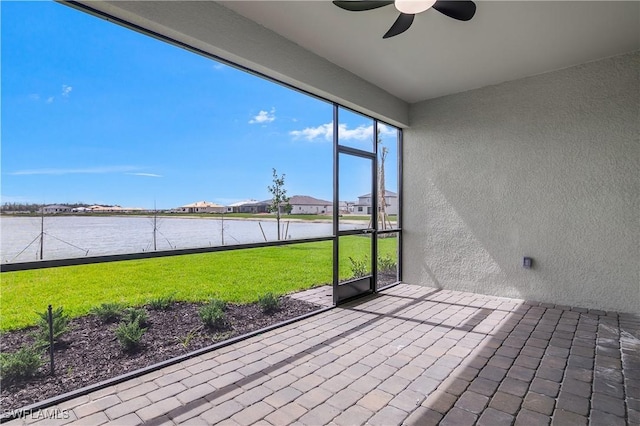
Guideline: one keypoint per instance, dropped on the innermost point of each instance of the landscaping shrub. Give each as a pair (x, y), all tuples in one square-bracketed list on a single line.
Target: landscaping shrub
[(19, 365), (184, 341), (129, 335), (138, 315), (386, 263), (219, 303), (60, 326), (269, 303), (162, 303), (108, 312), (212, 314), (359, 268), (227, 274)]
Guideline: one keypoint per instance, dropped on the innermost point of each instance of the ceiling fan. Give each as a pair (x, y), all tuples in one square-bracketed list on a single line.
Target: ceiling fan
[(462, 10)]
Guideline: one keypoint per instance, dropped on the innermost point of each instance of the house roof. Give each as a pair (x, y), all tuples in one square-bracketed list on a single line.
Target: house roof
[(305, 200), (113, 208), (260, 203), (243, 203), (386, 194), (201, 204)]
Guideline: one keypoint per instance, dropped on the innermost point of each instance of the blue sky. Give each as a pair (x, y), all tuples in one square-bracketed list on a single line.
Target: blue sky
[(96, 113)]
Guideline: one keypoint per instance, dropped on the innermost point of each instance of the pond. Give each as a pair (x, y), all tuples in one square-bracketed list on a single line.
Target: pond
[(79, 236)]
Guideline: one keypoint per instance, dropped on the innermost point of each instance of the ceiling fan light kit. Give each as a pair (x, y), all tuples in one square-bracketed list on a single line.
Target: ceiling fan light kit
[(413, 6), (461, 10)]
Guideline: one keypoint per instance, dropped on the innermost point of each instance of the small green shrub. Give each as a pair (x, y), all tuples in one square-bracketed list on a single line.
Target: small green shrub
[(219, 303), (359, 268), (129, 335), (190, 335), (108, 312), (60, 326), (19, 365), (269, 303), (138, 315), (386, 263), (212, 314), (162, 303)]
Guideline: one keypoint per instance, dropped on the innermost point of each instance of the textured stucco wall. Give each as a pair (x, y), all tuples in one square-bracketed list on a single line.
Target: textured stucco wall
[(547, 167)]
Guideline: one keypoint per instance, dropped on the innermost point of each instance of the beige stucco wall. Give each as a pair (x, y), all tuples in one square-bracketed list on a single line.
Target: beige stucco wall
[(547, 167)]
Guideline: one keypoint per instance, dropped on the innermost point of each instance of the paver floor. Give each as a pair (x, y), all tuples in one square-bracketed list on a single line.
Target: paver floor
[(410, 355), (322, 295)]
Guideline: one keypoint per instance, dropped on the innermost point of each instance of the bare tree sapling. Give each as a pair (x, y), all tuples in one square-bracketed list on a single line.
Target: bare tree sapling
[(279, 200)]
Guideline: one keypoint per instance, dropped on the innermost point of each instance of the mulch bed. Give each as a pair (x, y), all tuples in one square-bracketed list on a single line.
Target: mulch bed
[(90, 353)]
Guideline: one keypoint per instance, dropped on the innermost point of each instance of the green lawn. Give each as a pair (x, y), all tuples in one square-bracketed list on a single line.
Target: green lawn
[(238, 276)]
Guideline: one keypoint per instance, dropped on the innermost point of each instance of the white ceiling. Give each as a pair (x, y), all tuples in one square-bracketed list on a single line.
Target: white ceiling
[(506, 40)]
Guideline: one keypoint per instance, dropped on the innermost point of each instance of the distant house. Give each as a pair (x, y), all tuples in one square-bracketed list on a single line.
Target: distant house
[(363, 206), (105, 209), (303, 204), (235, 207), (112, 209), (248, 206), (257, 207), (346, 207), (201, 207), (55, 209)]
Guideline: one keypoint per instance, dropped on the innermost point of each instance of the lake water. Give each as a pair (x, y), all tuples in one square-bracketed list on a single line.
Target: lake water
[(78, 236)]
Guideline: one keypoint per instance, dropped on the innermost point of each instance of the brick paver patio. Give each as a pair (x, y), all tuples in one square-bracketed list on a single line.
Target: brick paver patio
[(411, 355), (322, 295)]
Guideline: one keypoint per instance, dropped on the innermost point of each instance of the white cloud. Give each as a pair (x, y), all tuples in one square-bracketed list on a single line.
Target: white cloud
[(360, 133), (312, 133), (59, 172), (386, 131), (145, 174), (66, 90), (325, 131), (219, 66), (264, 117)]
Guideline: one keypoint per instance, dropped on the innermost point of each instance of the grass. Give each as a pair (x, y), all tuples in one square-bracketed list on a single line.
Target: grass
[(237, 276)]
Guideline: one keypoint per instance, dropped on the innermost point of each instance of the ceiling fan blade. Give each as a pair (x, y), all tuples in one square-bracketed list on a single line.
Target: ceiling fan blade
[(401, 25), (460, 10), (361, 5)]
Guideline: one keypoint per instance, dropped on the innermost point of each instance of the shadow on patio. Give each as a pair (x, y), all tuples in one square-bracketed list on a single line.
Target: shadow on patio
[(410, 355)]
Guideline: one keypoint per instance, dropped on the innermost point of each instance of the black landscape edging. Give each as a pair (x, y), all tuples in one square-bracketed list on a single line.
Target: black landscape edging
[(22, 412)]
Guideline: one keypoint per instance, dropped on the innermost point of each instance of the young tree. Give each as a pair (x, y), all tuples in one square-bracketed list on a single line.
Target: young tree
[(279, 200), (382, 190)]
